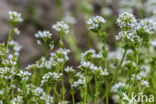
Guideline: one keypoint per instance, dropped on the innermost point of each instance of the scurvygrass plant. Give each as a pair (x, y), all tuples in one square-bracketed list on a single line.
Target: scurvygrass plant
[(97, 79)]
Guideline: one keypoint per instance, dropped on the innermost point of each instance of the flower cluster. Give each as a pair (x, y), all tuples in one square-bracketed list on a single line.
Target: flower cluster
[(117, 86), (24, 75), (126, 21), (17, 100), (43, 35), (86, 62), (95, 23), (15, 17), (126, 35), (81, 82), (16, 31), (69, 69), (14, 46), (50, 77), (61, 27), (147, 26), (60, 56)]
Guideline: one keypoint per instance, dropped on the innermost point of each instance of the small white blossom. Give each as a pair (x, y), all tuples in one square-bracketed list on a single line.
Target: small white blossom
[(53, 76), (69, 69), (1, 92), (15, 17), (146, 25), (24, 75), (126, 20), (116, 86), (126, 35), (16, 31), (95, 22), (17, 100), (43, 34), (15, 45), (38, 91), (61, 26), (81, 82), (145, 83)]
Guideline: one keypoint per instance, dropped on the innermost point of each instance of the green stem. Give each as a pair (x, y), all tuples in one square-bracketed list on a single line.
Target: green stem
[(45, 49), (105, 55), (103, 38), (85, 97), (55, 92), (107, 92), (61, 40), (54, 97), (9, 38), (63, 89), (7, 92), (96, 90), (116, 73), (137, 60), (73, 98)]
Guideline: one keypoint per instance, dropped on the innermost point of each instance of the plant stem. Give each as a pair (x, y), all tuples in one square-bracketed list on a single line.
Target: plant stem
[(73, 98), (61, 40), (107, 87), (54, 97), (55, 92), (137, 60), (96, 90), (116, 73), (63, 89), (85, 97), (45, 49), (9, 38)]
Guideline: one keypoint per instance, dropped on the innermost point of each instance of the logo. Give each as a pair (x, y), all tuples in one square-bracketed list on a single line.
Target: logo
[(138, 98)]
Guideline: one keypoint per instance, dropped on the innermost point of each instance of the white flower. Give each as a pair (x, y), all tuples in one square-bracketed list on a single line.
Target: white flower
[(104, 73), (16, 31), (146, 25), (54, 76), (38, 91), (81, 82), (116, 86), (69, 69), (126, 20), (145, 83), (17, 100), (15, 45), (60, 56), (15, 17), (47, 98), (139, 76), (85, 64), (43, 34), (126, 35), (1, 92), (24, 74), (95, 22), (61, 26)]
